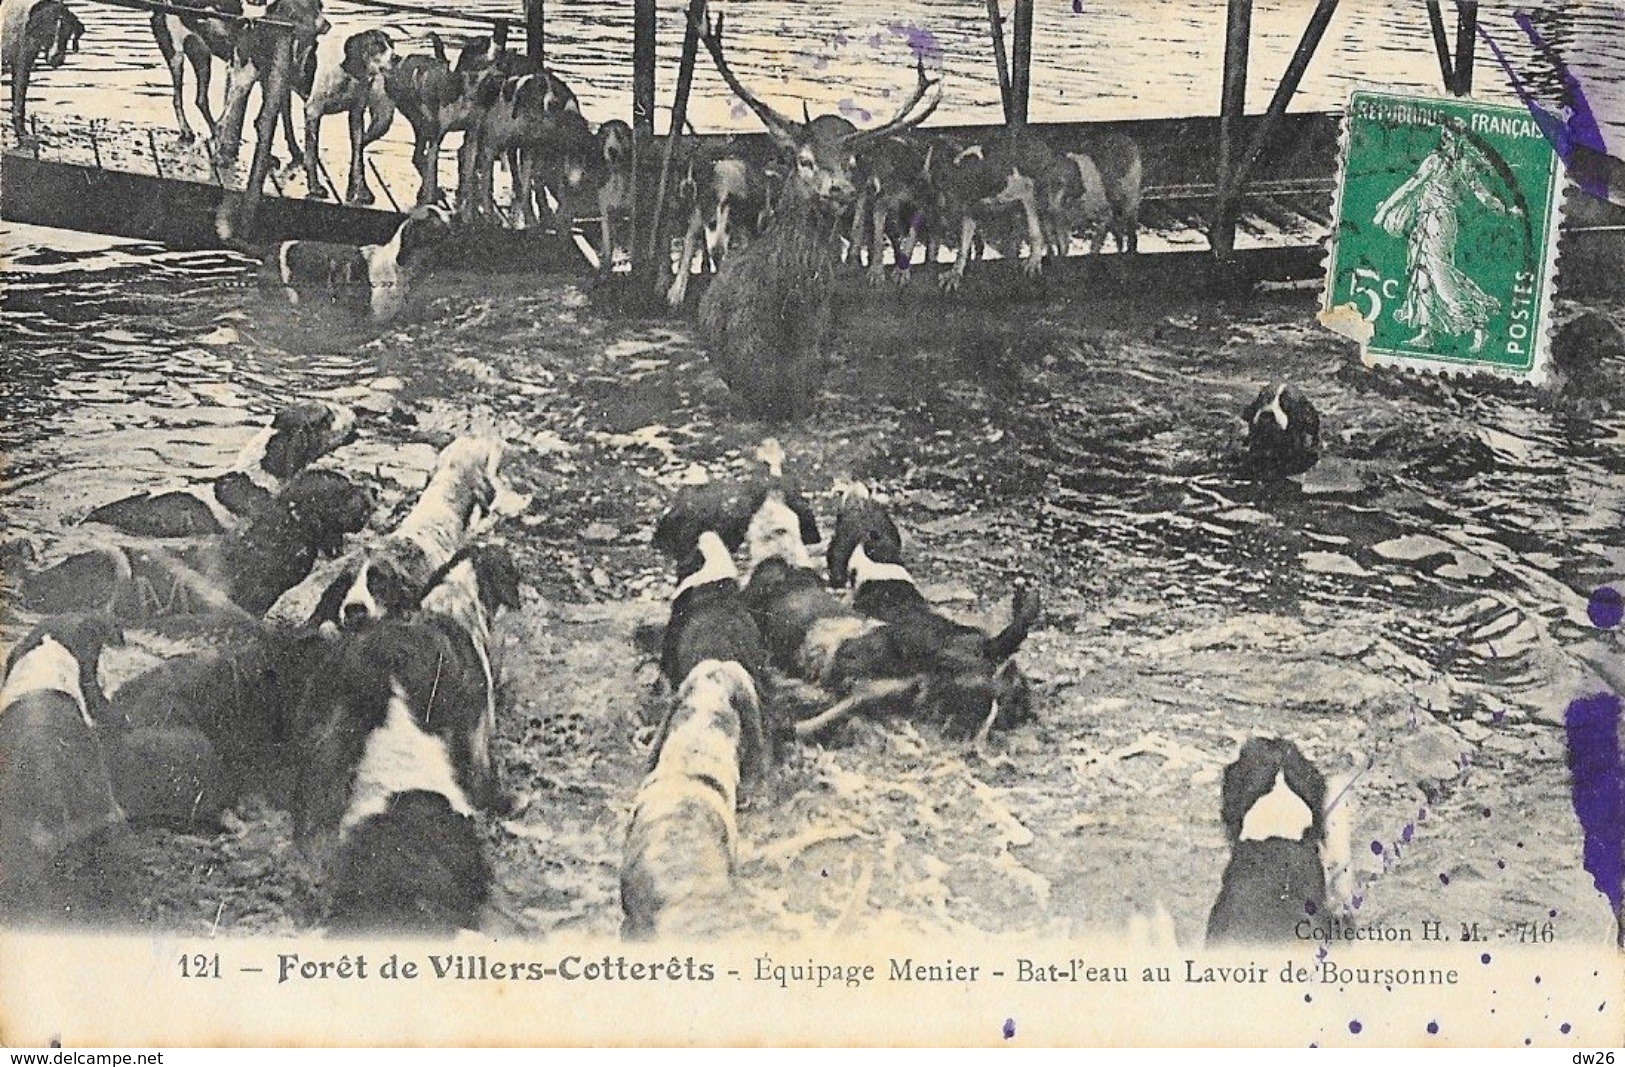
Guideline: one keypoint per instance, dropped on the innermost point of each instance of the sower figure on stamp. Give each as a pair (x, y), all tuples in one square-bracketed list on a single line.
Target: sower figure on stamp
[(1439, 296)]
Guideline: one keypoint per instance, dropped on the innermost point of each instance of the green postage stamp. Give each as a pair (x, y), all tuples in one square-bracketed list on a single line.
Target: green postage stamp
[(1445, 236)]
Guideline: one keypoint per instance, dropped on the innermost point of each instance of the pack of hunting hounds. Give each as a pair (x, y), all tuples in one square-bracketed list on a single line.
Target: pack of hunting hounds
[(362, 696), (890, 187)]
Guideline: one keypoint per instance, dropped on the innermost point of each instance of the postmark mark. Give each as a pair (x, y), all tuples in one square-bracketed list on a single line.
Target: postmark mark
[(1443, 249)]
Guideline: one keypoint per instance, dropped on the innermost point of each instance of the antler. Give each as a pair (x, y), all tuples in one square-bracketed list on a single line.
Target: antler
[(903, 120), (776, 123)]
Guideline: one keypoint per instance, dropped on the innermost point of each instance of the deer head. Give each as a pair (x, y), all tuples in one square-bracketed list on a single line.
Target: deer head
[(824, 149)]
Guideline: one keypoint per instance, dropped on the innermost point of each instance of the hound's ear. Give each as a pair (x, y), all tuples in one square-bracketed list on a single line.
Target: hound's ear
[(810, 534), (439, 48), (327, 608), (291, 448), (498, 577)]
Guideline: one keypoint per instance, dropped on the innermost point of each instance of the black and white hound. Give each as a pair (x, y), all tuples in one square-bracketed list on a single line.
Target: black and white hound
[(296, 438), (56, 794), (968, 681), (374, 281), (389, 781), (197, 40), (391, 576), (346, 75), (244, 571), (395, 731), (1272, 803), (31, 30), (1283, 431)]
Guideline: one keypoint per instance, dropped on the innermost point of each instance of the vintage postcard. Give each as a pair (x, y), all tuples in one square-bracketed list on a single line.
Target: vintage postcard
[(805, 523)]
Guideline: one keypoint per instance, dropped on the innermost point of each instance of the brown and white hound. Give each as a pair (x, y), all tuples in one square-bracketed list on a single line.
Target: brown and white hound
[(29, 31), (264, 54), (347, 75)]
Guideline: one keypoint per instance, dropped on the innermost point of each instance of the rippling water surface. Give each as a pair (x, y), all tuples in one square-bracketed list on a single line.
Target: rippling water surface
[(129, 365)]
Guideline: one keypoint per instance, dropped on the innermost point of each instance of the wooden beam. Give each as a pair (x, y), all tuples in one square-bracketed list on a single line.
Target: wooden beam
[(643, 66), (1466, 42), (643, 120), (1021, 61), (679, 115), (1232, 106), (1447, 69), (1313, 31), (995, 23), (535, 37)]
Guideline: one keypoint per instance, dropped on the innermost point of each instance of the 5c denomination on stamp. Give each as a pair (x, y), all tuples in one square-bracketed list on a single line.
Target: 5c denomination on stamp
[(1445, 236)]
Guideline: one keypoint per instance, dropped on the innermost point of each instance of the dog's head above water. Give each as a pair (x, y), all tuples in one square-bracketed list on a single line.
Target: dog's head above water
[(63, 652), (325, 506), (861, 520), (302, 434), (423, 233), (767, 510)]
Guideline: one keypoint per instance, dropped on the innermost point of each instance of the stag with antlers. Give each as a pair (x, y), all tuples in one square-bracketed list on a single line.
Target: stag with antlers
[(766, 317)]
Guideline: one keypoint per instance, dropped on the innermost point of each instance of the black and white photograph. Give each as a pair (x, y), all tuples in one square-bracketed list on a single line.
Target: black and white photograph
[(992, 501)]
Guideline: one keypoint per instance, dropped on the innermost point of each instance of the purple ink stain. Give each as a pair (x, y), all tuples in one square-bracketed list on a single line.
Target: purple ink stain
[(1307, 999), (1444, 879), (1077, 7), (1354, 1026), (1606, 608), (1572, 129), (1357, 901), (923, 43), (1310, 907), (1406, 834), (737, 111), (848, 107), (1565, 1028), (1376, 848), (820, 63), (1484, 958), (1501, 864), (839, 40), (1552, 914), (1433, 1028), (1591, 725), (1009, 1029), (1486, 813)]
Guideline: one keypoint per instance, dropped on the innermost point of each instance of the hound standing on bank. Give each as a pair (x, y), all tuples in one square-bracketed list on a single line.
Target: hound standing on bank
[(30, 29)]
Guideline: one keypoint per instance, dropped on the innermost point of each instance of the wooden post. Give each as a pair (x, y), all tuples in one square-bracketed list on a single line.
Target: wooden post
[(1232, 106), (1021, 61), (679, 115), (1290, 80), (643, 116), (535, 23), (1466, 41), (1447, 70), (995, 23)]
